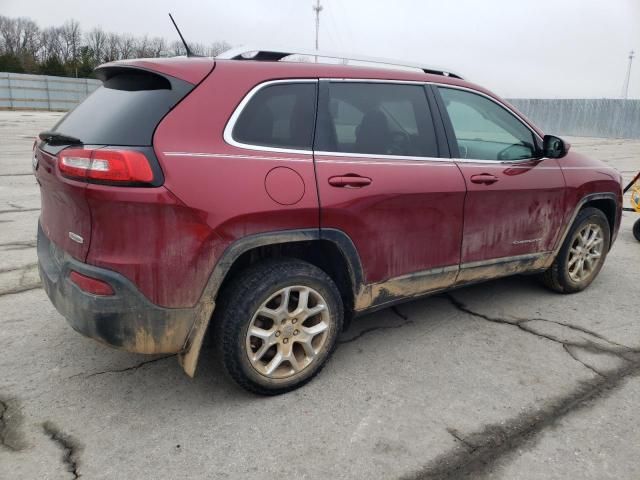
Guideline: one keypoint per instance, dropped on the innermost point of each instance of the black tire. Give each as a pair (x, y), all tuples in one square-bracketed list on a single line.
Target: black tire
[(557, 277), (245, 295), (636, 230)]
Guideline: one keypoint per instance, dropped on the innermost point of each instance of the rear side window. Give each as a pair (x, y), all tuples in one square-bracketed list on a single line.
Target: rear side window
[(280, 116), (125, 110), (376, 118)]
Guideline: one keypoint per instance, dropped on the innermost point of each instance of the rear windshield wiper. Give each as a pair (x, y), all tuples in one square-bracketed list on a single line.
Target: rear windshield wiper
[(55, 138)]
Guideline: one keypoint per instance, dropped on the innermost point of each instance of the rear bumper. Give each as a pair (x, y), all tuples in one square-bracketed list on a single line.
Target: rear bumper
[(126, 320)]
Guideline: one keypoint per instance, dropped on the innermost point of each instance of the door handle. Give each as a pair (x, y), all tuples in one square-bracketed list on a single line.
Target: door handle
[(484, 178), (349, 181)]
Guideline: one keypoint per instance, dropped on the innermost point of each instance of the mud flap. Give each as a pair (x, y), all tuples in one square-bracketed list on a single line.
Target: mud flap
[(188, 358)]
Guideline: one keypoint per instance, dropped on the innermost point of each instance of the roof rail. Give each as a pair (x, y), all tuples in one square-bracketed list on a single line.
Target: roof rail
[(273, 55)]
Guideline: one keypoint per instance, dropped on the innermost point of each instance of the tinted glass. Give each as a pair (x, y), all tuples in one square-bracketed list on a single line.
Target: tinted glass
[(125, 110), (281, 115), (376, 118), (484, 130)]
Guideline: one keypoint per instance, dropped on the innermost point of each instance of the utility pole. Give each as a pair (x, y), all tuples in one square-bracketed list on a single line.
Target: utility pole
[(625, 88), (317, 8)]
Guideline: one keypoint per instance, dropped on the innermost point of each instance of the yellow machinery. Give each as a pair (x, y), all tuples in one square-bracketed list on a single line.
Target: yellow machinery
[(634, 186)]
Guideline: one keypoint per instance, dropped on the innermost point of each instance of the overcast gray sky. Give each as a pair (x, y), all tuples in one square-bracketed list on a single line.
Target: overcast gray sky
[(518, 48)]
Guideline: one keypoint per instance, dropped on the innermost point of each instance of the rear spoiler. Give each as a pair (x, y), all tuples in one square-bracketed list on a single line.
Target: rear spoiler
[(192, 69)]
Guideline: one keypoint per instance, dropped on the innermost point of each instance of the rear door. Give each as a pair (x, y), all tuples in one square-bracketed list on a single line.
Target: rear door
[(515, 199), (381, 180)]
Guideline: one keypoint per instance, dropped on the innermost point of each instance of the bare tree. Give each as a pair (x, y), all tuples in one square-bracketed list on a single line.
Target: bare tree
[(141, 47), (50, 45), (176, 48), (70, 41), (65, 50), (127, 46), (217, 48), (157, 45), (113, 47), (96, 41), (7, 27), (20, 36), (28, 37)]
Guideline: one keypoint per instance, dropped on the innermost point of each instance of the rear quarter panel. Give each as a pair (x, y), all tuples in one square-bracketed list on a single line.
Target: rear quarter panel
[(223, 185), (64, 209)]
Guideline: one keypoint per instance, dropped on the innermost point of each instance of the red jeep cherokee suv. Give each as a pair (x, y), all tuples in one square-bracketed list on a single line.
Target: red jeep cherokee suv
[(269, 202)]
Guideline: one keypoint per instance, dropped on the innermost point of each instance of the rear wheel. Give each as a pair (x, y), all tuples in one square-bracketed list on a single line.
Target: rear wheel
[(582, 254), (277, 324), (636, 230)]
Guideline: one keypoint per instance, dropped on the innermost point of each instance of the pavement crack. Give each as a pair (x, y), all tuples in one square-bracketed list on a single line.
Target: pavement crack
[(11, 436), (70, 447), (567, 348), (20, 289), (126, 369), (577, 328), (3, 424), (366, 331), (23, 268), (496, 441), (397, 311), (523, 324), (19, 245), (20, 210), (456, 434)]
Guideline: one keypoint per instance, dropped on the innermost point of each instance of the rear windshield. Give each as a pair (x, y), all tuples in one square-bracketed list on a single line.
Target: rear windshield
[(125, 110)]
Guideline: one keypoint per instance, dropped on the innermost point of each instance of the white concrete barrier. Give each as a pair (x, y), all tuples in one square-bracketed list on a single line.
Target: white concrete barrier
[(605, 118), (20, 91)]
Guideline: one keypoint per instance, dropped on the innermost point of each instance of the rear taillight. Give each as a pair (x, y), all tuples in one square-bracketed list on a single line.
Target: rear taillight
[(90, 284), (105, 165)]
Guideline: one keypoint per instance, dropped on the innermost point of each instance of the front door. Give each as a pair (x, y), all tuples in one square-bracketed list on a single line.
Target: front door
[(515, 201), (381, 181)]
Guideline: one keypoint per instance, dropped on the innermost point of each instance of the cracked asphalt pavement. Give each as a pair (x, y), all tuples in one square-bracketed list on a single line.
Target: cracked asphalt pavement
[(503, 380)]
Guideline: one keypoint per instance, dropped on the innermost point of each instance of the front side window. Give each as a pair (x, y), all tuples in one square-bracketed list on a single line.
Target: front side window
[(280, 116), (377, 119), (484, 130)]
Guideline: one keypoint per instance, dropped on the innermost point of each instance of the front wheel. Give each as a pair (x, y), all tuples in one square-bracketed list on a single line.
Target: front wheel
[(277, 324), (636, 230), (582, 254)]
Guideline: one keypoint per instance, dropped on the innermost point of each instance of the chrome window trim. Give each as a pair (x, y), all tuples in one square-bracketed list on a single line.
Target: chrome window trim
[(439, 84), (371, 80), (508, 109), (228, 130), (231, 123), (382, 157)]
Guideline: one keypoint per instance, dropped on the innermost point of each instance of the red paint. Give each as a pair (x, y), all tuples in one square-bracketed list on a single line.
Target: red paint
[(583, 176), (64, 207), (153, 239), (520, 211), (406, 217), (284, 186), (409, 218)]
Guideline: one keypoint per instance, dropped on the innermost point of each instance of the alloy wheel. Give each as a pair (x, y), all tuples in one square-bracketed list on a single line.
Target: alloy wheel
[(585, 253), (288, 331)]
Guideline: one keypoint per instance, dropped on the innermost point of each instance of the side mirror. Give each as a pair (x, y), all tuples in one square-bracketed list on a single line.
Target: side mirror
[(554, 147)]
